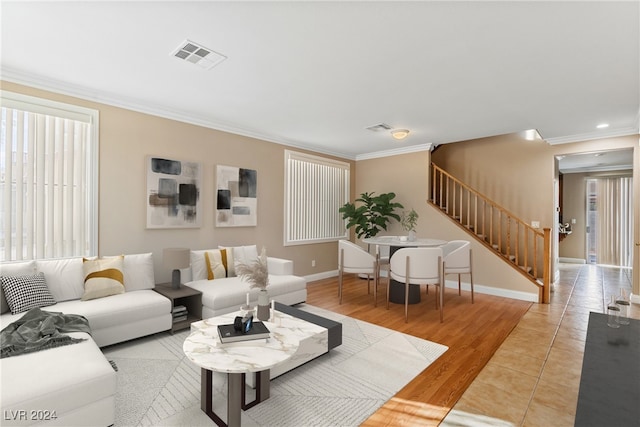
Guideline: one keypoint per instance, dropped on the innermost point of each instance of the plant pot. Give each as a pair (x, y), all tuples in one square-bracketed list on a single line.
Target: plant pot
[(412, 236)]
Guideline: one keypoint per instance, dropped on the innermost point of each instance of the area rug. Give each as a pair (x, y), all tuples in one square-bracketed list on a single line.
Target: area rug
[(159, 386)]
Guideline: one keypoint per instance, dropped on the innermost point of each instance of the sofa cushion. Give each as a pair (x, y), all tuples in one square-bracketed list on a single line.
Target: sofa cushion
[(26, 292), (21, 268), (118, 309), (232, 291), (61, 379), (138, 272), (236, 254), (103, 277), (216, 262), (64, 277), (198, 265)]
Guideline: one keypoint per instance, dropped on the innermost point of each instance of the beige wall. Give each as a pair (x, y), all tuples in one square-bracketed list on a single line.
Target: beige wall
[(127, 137), (406, 175)]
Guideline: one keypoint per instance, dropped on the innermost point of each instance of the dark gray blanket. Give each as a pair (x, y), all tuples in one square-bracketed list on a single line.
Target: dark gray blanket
[(40, 330)]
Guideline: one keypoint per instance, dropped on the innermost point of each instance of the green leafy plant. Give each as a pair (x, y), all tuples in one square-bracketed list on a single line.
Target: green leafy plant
[(373, 214), (409, 220)]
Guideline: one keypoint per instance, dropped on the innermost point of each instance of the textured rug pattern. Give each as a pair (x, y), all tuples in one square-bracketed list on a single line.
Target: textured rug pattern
[(157, 385)]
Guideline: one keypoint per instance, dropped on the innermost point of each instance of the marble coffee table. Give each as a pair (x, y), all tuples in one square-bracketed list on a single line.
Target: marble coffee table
[(293, 341)]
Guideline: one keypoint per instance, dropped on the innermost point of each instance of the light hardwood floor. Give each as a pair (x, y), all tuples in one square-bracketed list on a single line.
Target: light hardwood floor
[(509, 362)]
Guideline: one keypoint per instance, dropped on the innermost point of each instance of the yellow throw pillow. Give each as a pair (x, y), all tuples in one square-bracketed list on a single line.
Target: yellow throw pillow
[(216, 261), (102, 277)]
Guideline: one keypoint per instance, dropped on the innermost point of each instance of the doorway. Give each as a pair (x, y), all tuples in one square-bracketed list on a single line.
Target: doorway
[(609, 221), (587, 239)]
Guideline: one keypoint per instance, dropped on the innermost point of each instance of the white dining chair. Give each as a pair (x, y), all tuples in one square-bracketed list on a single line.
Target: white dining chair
[(353, 259), (456, 255), (417, 266)]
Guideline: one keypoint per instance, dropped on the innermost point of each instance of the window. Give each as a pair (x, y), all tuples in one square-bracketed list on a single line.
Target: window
[(315, 188), (48, 179)]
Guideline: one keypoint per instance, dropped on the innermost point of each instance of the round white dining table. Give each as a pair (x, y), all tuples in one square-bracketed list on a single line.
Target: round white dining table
[(396, 289)]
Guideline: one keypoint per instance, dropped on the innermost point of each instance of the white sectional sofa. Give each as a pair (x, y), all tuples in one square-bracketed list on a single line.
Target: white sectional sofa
[(225, 294), (75, 385)]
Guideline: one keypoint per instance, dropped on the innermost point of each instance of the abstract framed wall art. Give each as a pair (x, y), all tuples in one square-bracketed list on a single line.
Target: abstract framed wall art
[(236, 198), (173, 193)]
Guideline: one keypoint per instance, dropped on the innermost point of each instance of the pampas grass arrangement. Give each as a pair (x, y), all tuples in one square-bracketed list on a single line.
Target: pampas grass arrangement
[(256, 272)]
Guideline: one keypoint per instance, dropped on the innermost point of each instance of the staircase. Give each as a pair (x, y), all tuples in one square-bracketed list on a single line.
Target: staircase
[(525, 248)]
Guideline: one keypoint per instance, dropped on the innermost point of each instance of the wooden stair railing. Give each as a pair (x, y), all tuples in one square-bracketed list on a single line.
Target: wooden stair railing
[(525, 248)]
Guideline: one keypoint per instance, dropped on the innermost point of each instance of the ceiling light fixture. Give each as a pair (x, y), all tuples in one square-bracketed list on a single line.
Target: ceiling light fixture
[(603, 125), (400, 133)]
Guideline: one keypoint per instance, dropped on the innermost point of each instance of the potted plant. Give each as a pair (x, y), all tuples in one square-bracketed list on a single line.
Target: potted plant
[(409, 221), (373, 215)]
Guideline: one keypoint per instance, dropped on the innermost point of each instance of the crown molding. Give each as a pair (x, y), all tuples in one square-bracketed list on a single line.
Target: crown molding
[(592, 136), (81, 92), (395, 151)]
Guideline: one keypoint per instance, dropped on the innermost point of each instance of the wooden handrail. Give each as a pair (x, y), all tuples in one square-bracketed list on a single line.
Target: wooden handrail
[(514, 239)]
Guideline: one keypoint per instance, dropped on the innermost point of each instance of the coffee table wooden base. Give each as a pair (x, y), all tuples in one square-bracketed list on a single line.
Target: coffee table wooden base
[(236, 395)]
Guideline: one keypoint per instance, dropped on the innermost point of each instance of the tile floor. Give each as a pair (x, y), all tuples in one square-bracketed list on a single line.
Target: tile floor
[(534, 377)]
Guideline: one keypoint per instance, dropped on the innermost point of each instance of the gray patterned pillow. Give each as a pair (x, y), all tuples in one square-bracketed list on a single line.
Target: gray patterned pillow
[(26, 292)]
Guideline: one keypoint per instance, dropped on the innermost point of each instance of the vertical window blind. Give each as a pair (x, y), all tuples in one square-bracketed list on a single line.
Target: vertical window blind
[(315, 188), (48, 179), (614, 208)]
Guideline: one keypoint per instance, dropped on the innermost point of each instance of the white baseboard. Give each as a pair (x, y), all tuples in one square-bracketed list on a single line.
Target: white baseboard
[(320, 276), (453, 284), (572, 260), (490, 290)]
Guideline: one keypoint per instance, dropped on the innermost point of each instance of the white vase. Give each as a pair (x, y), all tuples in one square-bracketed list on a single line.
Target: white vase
[(263, 305), (412, 236)]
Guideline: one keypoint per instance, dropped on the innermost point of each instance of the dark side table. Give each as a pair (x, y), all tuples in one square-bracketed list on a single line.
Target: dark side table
[(186, 296)]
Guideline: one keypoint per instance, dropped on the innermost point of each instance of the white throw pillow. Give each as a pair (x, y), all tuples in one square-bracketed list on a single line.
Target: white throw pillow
[(64, 277), (138, 272), (198, 265)]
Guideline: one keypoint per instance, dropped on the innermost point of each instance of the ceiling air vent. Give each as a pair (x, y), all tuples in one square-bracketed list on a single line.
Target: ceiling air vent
[(379, 127), (198, 54)]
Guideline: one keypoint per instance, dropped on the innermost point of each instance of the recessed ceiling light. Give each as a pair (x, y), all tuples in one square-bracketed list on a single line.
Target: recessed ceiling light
[(603, 125)]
